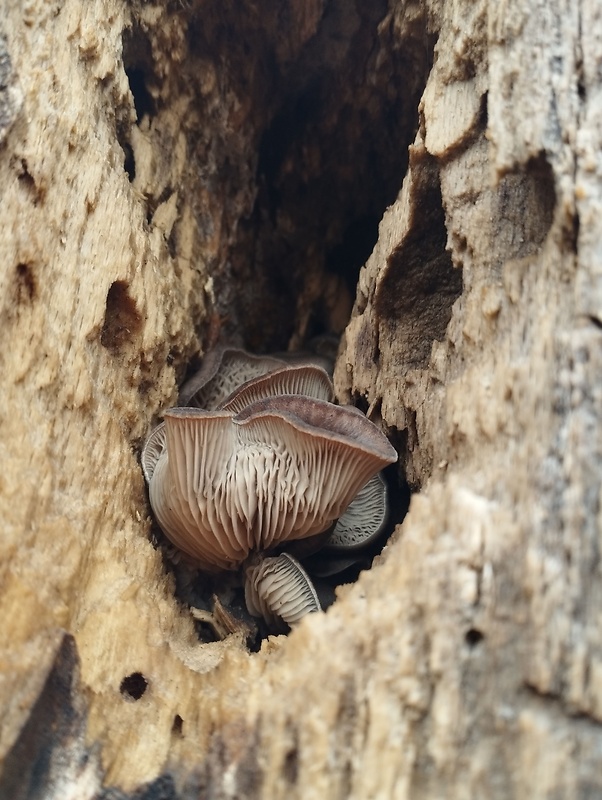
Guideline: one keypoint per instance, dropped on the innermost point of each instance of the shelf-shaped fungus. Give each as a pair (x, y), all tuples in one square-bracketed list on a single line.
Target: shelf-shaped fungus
[(364, 519), (279, 590), (224, 370), (273, 463), (305, 380)]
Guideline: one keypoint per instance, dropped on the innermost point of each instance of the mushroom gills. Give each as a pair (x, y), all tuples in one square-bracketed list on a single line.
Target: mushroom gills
[(278, 589), (364, 519), (223, 371), (282, 469), (152, 451), (306, 380)]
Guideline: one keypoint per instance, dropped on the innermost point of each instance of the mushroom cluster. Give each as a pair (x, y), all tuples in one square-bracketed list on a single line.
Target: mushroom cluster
[(258, 465)]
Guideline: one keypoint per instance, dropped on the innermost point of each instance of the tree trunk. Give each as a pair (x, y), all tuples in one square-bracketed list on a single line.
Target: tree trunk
[(424, 179)]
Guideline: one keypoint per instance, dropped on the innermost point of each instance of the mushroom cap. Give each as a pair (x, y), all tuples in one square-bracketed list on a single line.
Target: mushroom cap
[(278, 588), (224, 369), (363, 520), (308, 380), (300, 358), (284, 468)]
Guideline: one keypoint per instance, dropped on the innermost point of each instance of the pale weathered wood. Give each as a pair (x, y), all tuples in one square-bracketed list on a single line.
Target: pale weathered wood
[(466, 662)]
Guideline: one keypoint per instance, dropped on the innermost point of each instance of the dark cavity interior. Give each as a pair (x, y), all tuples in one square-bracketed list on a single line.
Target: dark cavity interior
[(331, 157), (299, 122)]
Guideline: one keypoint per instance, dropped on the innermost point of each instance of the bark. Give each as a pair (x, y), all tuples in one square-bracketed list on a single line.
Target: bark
[(179, 172)]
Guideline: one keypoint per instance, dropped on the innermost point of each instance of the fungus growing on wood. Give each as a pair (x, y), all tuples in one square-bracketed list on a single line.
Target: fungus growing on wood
[(279, 590), (363, 520), (306, 380), (285, 468), (269, 465), (152, 450), (224, 370)]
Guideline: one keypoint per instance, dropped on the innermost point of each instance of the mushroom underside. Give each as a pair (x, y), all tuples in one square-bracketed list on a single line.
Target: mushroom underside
[(279, 590), (229, 485), (270, 464)]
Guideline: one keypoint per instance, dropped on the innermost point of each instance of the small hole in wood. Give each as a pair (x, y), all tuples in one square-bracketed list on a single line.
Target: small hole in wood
[(473, 637), (177, 727), (122, 321), (26, 284), (129, 162), (133, 686), (143, 100), (291, 766)]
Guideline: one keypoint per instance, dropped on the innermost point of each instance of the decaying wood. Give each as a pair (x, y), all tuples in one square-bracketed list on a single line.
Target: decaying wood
[(177, 173)]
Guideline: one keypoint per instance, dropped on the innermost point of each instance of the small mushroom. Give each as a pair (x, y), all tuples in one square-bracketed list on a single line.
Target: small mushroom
[(364, 519), (224, 370), (152, 450), (307, 380), (278, 589), (284, 468)]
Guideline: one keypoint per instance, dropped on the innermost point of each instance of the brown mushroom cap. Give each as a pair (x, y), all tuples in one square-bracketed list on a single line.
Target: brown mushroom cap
[(307, 380), (305, 358), (314, 417), (224, 369), (284, 468), (278, 588)]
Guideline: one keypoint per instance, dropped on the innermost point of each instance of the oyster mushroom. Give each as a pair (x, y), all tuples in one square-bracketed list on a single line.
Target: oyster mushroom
[(307, 380), (224, 370), (363, 520), (152, 450), (278, 589), (284, 468)]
